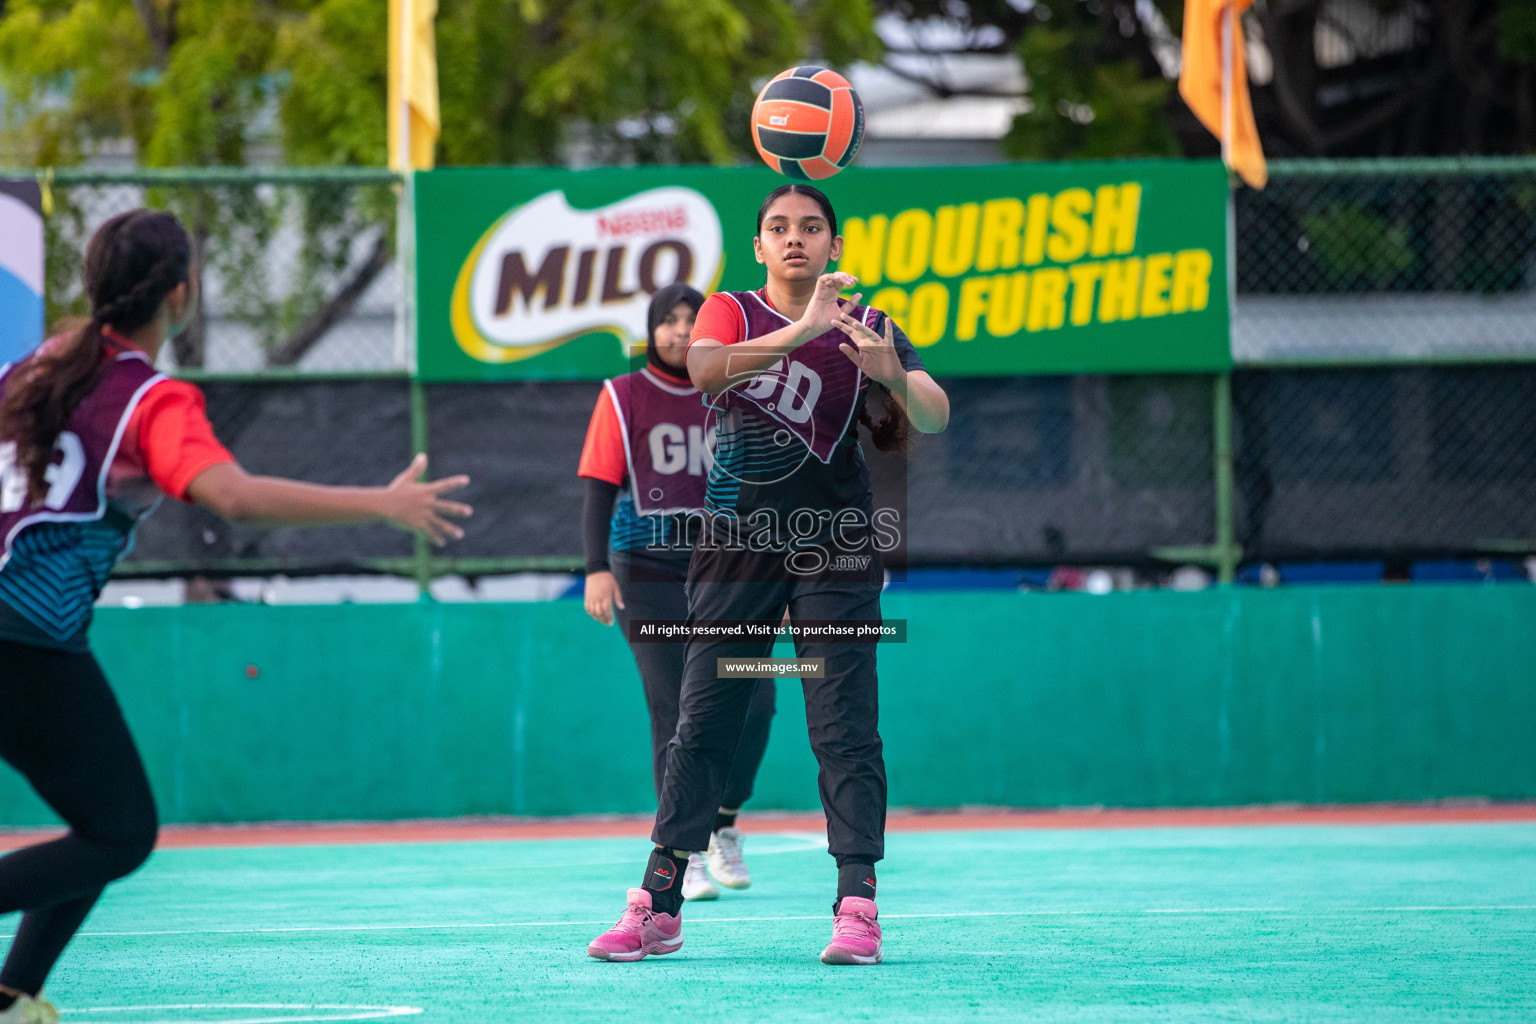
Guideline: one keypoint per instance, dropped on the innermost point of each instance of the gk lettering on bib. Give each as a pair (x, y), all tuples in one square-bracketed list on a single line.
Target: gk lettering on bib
[(669, 437)]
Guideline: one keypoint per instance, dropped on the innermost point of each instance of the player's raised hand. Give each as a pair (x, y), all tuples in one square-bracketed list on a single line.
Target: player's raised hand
[(825, 306), (876, 356), (419, 505)]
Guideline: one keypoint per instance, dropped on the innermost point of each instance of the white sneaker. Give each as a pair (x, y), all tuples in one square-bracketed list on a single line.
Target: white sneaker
[(696, 882), (725, 861), (27, 1010)]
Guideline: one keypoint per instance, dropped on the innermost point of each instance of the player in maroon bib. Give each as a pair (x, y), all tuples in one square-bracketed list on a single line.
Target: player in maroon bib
[(91, 438), (789, 521), (77, 483), (648, 452), (813, 394)]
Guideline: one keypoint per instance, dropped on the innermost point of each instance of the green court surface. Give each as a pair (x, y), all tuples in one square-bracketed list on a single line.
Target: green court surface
[(1298, 923)]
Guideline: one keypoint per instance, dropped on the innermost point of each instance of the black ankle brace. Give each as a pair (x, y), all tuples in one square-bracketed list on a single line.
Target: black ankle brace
[(664, 880), (855, 879)]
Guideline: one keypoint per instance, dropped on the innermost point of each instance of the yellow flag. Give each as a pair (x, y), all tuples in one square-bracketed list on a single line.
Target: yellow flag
[(1200, 84), (412, 81)]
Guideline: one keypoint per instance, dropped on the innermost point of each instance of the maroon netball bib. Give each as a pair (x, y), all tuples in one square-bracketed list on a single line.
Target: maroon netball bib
[(82, 456), (669, 436), (814, 393)]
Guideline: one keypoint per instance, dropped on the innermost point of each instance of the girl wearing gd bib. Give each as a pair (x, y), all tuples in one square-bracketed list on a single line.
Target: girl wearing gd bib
[(91, 437), (791, 365), (650, 431)]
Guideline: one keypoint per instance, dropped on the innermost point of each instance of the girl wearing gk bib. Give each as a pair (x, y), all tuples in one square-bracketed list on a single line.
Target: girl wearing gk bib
[(651, 430), (790, 520), (91, 437)]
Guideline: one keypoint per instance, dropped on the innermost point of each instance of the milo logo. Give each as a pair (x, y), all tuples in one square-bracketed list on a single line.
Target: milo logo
[(546, 273)]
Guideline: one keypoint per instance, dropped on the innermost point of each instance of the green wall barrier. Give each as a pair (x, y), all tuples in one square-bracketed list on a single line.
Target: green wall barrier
[(1236, 696)]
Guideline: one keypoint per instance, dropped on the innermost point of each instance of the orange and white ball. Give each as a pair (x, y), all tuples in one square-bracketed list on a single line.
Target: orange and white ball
[(808, 123)]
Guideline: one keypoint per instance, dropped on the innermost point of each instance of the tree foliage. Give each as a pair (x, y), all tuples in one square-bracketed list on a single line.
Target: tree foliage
[(202, 82), (197, 82), (194, 83), (1424, 77), (1395, 77), (1085, 103), (1095, 88)]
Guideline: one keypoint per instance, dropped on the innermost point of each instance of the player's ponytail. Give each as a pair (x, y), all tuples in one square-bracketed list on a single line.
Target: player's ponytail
[(891, 433), (131, 264)]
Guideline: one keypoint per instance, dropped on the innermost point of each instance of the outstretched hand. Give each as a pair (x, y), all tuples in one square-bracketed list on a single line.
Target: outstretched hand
[(415, 504), (876, 356)]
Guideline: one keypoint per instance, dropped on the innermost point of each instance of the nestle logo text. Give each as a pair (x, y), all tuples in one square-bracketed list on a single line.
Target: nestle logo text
[(642, 222)]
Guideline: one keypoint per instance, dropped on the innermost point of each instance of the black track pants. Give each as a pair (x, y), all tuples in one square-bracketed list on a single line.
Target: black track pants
[(60, 726), (658, 593), (842, 710)]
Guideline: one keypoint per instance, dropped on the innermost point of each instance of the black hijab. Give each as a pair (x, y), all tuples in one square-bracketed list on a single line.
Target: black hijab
[(662, 303)]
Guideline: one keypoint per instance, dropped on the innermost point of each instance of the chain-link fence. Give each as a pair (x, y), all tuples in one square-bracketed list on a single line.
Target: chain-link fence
[(1031, 470), (1361, 286), (1387, 261), (297, 268), (1384, 404), (1402, 463), (320, 430)]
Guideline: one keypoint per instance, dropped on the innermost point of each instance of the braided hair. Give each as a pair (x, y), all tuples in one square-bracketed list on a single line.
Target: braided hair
[(132, 263)]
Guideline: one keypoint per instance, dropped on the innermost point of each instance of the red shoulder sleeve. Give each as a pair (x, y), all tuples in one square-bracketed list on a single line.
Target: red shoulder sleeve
[(175, 437), (720, 319), (602, 456)]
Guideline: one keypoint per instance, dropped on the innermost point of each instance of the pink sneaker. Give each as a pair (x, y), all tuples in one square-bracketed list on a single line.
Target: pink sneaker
[(642, 931), (855, 935)]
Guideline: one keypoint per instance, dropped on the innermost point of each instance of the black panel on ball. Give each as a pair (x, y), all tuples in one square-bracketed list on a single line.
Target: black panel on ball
[(799, 91), (791, 169), (790, 145)]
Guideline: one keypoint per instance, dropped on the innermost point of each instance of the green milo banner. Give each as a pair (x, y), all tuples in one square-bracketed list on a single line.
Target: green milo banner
[(995, 270)]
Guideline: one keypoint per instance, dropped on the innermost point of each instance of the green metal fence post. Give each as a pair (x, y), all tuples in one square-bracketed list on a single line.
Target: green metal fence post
[(422, 560), (1221, 434), (405, 351), (1227, 551)]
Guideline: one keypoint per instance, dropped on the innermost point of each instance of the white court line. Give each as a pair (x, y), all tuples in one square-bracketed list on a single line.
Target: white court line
[(1140, 912), (348, 1012), (814, 838)]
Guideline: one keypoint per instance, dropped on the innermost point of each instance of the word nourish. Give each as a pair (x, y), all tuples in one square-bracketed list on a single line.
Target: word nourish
[(1080, 244)]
